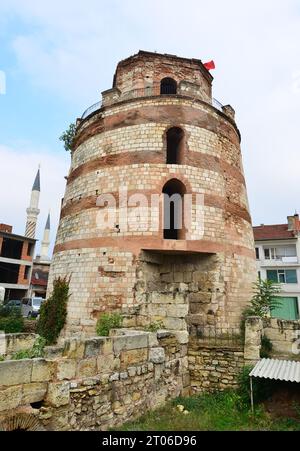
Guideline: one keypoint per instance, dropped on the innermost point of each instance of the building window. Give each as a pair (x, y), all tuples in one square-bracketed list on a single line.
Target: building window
[(175, 145), (168, 86), (30, 249), (287, 276), (257, 253), (27, 272), (259, 275), (281, 253), (173, 212)]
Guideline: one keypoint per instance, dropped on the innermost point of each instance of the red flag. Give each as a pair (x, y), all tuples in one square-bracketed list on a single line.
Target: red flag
[(210, 65)]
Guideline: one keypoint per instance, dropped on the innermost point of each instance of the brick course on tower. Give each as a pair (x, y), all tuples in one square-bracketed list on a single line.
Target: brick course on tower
[(158, 129)]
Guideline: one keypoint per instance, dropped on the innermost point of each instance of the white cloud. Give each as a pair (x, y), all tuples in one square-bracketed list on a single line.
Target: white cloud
[(17, 174), (71, 48)]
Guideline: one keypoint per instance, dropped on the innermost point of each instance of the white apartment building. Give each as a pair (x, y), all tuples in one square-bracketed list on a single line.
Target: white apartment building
[(277, 250)]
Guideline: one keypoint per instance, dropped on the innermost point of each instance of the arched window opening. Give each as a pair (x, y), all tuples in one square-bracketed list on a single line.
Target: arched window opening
[(168, 86), (175, 145), (173, 201)]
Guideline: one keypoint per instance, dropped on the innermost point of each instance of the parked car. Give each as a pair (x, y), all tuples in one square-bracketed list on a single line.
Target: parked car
[(13, 304), (31, 307)]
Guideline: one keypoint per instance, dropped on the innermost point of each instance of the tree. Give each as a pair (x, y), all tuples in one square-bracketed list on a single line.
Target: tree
[(53, 313), (264, 300), (68, 137)]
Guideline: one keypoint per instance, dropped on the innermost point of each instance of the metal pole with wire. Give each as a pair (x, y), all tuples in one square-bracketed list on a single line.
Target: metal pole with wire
[(251, 391)]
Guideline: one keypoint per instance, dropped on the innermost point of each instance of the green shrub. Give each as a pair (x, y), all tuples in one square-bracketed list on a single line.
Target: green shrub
[(262, 388), (107, 322), (11, 321), (36, 352), (154, 327), (266, 348), (53, 313), (68, 137)]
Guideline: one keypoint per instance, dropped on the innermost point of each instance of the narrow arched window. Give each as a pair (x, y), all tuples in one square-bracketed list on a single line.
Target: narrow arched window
[(175, 145), (168, 86), (173, 210)]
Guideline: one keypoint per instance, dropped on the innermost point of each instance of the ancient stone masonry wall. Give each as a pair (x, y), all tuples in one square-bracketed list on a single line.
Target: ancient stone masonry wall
[(214, 367), (285, 337), (12, 343), (97, 383)]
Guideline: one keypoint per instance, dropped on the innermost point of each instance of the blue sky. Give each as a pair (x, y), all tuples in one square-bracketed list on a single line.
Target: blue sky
[(59, 55)]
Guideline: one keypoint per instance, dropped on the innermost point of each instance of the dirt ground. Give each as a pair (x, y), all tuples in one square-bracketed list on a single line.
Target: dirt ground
[(285, 401)]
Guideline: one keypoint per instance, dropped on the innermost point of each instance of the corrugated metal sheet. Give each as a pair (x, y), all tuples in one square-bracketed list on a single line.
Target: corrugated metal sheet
[(280, 370)]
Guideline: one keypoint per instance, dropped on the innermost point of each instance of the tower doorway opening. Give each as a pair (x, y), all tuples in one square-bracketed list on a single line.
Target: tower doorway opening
[(175, 145), (173, 211), (168, 86)]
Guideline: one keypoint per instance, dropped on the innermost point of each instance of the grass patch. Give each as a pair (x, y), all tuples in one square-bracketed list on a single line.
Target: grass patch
[(211, 412)]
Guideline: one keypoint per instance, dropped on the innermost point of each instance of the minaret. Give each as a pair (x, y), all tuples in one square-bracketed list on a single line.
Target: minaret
[(46, 242), (33, 210)]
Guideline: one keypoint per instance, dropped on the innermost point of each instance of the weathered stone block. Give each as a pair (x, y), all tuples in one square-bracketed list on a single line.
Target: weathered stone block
[(157, 355), (182, 337), (129, 358), (34, 392), (175, 324), (42, 370), (87, 367), (11, 397), (94, 346), (108, 363), (152, 340), (53, 352), (58, 394), (15, 372), (130, 342), (66, 369), (178, 311), (74, 348)]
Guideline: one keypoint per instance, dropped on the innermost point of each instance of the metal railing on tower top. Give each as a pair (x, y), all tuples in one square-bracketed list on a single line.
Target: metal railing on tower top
[(148, 91)]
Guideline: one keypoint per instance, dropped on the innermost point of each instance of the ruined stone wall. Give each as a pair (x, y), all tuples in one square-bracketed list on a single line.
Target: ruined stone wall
[(12, 343), (214, 367), (285, 337), (97, 383)]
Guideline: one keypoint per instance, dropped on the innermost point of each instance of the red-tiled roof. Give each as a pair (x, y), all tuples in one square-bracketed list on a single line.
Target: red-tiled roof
[(272, 232)]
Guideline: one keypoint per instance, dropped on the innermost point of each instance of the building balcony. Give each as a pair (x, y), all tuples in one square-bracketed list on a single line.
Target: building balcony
[(280, 261)]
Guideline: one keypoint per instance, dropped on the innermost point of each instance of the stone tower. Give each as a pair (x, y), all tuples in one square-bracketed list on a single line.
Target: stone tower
[(33, 209), (128, 247)]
